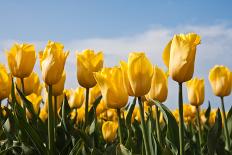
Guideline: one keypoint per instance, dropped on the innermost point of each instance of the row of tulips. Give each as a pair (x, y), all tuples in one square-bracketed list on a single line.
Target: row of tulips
[(97, 118)]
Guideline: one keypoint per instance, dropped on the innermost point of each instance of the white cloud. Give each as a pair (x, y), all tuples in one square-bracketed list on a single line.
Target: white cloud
[(216, 48)]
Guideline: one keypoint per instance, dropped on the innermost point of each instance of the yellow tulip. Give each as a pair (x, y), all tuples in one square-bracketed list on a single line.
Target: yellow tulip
[(35, 100), (196, 91), (52, 61), (159, 85), (5, 83), (179, 56), (81, 114), (140, 72), (87, 63), (76, 98), (43, 115), (101, 107), (112, 88), (109, 130), (95, 92), (124, 68), (58, 88), (21, 59), (220, 78), (31, 83)]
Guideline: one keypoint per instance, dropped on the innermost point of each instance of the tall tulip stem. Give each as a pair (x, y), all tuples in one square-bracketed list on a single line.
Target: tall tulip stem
[(181, 121), (225, 123), (144, 131), (86, 106), (119, 125), (157, 125), (55, 116), (23, 91), (50, 122), (199, 126)]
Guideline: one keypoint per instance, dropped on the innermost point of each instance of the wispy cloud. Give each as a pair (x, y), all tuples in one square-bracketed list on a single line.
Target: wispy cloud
[(216, 48)]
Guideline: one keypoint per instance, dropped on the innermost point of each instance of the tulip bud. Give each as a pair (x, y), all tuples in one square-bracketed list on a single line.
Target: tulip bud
[(52, 61), (179, 56), (31, 83), (109, 131), (21, 59), (58, 88), (112, 87), (43, 115), (87, 63), (159, 85), (5, 83), (76, 98), (220, 78), (196, 91), (140, 73), (35, 100)]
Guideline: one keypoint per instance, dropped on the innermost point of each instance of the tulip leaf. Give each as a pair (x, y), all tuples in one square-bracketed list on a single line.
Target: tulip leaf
[(122, 150), (92, 111), (65, 112), (76, 148), (229, 122), (172, 133), (31, 132), (214, 134)]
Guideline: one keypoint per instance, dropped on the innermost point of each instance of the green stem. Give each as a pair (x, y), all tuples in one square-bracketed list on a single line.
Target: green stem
[(199, 126), (119, 126), (144, 131), (23, 91), (50, 122), (225, 123), (181, 121), (86, 106), (158, 125), (55, 116)]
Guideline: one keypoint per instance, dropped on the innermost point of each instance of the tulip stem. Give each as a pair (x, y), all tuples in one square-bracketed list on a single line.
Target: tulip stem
[(225, 123), (181, 121), (199, 126), (119, 125), (144, 131), (86, 106), (50, 122), (55, 116), (22, 89), (158, 125)]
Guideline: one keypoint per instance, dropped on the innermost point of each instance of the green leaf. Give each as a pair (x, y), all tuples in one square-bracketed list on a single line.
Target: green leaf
[(172, 134), (92, 111), (65, 112), (214, 134), (122, 150), (76, 148), (229, 122)]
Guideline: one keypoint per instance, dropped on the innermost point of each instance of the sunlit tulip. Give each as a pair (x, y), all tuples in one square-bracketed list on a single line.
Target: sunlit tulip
[(87, 63), (112, 87), (179, 56), (52, 61), (159, 85), (5, 83), (196, 91), (220, 78), (101, 107), (95, 92), (124, 68), (43, 115), (81, 114), (109, 130), (21, 59), (31, 83), (140, 71), (76, 97), (35, 100), (58, 88)]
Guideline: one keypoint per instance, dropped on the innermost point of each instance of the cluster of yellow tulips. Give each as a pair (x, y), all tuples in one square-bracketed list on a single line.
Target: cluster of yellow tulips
[(97, 116)]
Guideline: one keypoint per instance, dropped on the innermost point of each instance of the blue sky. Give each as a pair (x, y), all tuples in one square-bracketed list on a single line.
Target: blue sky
[(119, 27)]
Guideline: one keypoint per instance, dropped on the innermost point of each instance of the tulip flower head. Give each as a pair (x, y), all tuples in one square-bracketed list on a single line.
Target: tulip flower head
[(220, 78), (21, 59), (179, 56), (109, 130), (5, 83), (87, 63), (52, 61)]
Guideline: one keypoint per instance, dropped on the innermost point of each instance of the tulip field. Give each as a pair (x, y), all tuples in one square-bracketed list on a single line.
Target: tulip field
[(114, 110)]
